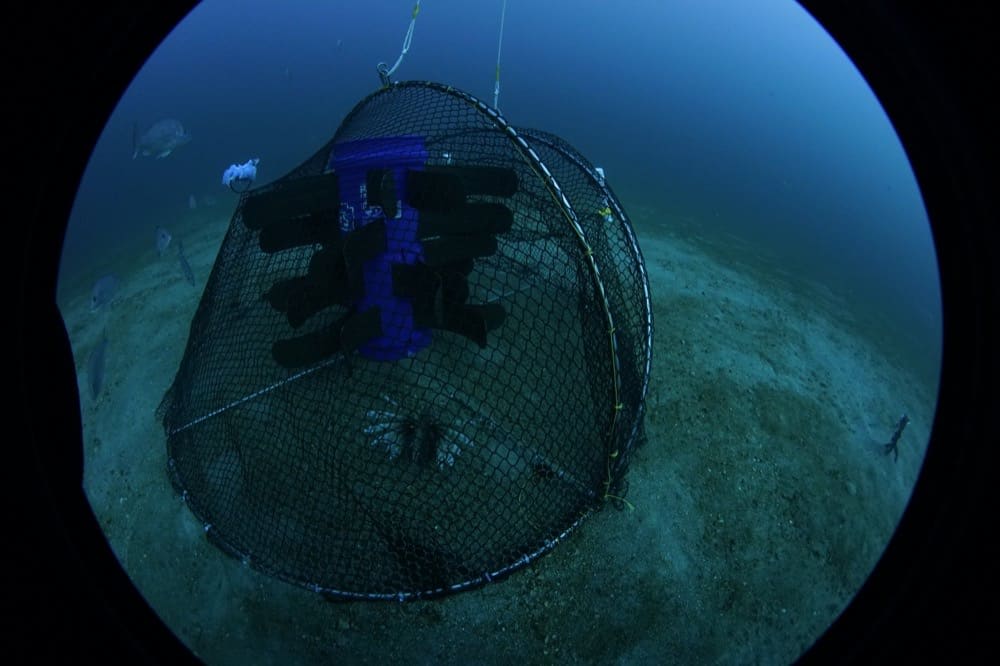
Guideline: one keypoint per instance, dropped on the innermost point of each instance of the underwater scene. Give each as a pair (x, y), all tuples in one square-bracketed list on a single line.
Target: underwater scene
[(449, 333)]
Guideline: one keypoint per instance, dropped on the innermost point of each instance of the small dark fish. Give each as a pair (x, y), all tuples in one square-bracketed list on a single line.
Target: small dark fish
[(104, 291), (95, 366), (163, 239), (185, 266)]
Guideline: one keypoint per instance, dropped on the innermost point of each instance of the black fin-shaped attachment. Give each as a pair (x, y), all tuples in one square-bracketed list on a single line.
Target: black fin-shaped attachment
[(346, 334), (381, 188), (292, 200), (309, 348), (441, 250), (283, 292), (439, 301), (317, 227), (489, 180), (335, 276), (424, 288), (324, 285), (441, 187), (434, 191), (474, 321), (470, 219), (360, 328), (454, 285)]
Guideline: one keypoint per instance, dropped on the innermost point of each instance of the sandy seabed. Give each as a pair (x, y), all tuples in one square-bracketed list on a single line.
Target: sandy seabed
[(761, 500)]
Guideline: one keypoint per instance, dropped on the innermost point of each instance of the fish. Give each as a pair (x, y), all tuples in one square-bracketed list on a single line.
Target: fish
[(192, 202), (185, 266), (105, 289), (95, 366), (161, 139), (163, 239)]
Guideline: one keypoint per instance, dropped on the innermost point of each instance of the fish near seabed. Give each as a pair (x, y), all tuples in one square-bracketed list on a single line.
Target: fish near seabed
[(185, 266), (105, 289), (163, 239), (161, 139)]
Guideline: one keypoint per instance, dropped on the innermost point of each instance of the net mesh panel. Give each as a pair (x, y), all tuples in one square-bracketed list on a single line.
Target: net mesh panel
[(463, 459)]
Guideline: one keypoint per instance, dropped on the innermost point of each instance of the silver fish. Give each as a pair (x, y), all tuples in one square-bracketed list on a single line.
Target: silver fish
[(105, 289), (95, 366), (185, 266), (163, 238), (161, 139)]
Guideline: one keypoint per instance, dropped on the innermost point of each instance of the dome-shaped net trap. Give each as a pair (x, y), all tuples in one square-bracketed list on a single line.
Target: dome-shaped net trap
[(420, 359)]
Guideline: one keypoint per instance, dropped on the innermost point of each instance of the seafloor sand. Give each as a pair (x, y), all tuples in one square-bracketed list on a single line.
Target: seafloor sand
[(761, 500)]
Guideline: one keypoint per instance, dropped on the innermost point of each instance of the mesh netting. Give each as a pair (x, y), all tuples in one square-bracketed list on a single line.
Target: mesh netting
[(420, 359)]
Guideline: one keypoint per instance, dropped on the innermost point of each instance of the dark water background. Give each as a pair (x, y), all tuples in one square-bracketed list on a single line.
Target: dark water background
[(742, 118)]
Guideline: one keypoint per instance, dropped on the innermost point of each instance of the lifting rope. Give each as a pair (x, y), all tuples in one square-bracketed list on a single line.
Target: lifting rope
[(496, 85), (384, 72)]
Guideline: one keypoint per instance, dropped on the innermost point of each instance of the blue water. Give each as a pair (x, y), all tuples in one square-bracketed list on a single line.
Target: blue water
[(745, 117)]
